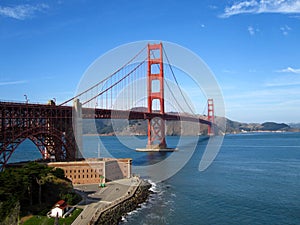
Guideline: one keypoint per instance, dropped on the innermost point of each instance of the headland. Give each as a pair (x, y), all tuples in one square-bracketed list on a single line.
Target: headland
[(107, 205)]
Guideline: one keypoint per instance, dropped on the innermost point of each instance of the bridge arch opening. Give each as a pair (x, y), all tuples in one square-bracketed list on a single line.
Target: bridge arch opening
[(156, 104), (51, 145), (155, 86), (155, 54), (25, 151), (155, 69)]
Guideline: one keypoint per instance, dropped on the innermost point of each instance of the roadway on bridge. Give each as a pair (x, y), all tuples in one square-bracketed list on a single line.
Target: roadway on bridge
[(94, 198)]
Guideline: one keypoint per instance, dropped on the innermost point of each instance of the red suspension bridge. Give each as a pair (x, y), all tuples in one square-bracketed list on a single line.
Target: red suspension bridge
[(56, 129)]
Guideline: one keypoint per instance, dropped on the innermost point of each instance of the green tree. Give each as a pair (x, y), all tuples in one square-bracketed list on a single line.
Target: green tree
[(19, 185), (58, 172)]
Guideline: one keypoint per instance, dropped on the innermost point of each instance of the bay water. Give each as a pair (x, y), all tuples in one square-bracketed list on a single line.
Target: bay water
[(255, 179)]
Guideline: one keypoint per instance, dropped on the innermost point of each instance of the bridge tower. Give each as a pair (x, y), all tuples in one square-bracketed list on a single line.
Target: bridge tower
[(210, 116), (155, 89)]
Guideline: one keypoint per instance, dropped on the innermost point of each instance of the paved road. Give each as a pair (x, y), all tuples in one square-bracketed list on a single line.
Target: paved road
[(95, 198)]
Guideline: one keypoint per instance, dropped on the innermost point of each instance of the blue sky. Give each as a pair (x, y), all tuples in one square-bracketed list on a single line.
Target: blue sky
[(252, 47)]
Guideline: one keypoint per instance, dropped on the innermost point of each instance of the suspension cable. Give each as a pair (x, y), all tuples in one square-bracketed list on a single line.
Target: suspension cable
[(204, 110), (169, 87), (192, 111), (115, 82), (71, 99)]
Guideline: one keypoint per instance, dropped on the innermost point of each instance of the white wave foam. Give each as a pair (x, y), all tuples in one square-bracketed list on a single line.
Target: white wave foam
[(153, 186), (124, 220)]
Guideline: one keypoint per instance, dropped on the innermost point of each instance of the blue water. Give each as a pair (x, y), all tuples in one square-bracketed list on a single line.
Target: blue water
[(255, 179)]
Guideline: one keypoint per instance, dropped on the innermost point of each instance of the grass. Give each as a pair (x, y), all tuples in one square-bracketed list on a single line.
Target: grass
[(44, 220)]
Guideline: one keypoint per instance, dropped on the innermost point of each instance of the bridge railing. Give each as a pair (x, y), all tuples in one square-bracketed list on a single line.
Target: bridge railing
[(21, 102)]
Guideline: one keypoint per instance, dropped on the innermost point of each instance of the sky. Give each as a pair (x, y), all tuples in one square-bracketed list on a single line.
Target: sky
[(251, 46)]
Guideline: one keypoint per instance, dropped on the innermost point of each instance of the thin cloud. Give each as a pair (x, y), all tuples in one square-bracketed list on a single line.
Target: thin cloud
[(252, 71), (285, 30), (213, 7), (267, 94), (262, 6), (22, 12), (285, 80), (289, 70), (228, 71), (283, 83), (13, 82), (252, 31)]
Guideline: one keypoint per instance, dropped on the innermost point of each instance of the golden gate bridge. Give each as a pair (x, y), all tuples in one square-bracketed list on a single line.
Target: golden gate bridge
[(55, 129)]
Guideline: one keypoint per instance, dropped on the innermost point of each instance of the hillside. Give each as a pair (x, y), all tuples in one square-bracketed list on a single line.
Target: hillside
[(138, 127), (173, 128), (237, 127), (295, 125)]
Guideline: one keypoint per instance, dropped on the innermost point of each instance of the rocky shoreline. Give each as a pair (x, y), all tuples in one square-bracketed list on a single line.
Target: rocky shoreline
[(113, 215)]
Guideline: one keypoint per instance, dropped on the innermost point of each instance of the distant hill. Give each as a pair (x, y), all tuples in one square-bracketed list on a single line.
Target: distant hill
[(138, 127), (237, 127), (271, 126), (174, 128), (294, 125)]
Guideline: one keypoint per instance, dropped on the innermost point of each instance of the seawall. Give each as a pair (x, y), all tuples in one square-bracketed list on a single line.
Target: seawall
[(112, 215)]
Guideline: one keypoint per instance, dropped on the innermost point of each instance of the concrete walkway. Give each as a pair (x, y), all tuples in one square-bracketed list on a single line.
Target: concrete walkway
[(95, 199)]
